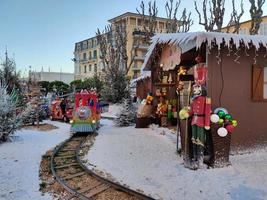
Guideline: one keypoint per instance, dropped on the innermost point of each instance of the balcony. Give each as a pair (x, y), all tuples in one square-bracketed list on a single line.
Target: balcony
[(142, 47), (142, 58), (139, 34), (136, 68)]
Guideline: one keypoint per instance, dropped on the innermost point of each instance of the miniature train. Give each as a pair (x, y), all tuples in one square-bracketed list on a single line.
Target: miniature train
[(86, 114), (60, 110)]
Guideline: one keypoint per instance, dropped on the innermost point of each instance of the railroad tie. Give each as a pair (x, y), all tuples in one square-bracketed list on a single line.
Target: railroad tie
[(71, 156), (97, 190), (65, 166), (92, 185), (74, 175), (66, 150)]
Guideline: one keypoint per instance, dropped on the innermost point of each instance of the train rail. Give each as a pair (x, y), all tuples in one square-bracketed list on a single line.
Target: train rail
[(70, 172)]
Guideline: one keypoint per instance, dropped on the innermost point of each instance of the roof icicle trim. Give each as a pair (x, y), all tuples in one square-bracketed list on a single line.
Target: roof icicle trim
[(181, 39)]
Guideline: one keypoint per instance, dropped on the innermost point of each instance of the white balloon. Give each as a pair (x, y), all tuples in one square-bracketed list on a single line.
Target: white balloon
[(214, 118), (222, 132)]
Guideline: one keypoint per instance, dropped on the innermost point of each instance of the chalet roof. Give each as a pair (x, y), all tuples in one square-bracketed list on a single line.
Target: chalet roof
[(187, 41), (144, 75)]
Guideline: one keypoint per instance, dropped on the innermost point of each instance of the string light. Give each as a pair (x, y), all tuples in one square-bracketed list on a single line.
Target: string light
[(181, 70), (246, 52), (237, 56), (255, 57), (229, 50), (219, 60)]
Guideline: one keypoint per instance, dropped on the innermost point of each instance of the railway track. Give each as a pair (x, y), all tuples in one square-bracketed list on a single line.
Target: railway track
[(81, 182)]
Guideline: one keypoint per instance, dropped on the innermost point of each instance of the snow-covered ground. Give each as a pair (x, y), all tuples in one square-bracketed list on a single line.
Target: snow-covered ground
[(20, 161), (145, 159)]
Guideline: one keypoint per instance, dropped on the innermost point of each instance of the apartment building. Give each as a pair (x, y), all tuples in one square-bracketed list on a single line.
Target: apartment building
[(87, 61), (245, 26)]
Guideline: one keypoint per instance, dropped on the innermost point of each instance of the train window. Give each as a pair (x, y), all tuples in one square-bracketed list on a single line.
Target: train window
[(80, 102), (90, 102)]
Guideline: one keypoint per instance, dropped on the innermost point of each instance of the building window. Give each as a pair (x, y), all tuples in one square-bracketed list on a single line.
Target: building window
[(161, 25), (139, 22), (263, 29), (84, 68), (259, 83), (95, 67), (95, 54), (135, 75), (80, 69), (90, 68), (244, 31), (84, 56), (90, 55)]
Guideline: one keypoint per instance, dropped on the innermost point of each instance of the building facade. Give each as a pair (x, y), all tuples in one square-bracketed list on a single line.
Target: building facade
[(86, 59), (245, 26), (52, 76), (86, 65)]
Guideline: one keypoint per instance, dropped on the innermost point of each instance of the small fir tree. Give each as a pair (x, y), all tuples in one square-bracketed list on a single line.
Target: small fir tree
[(9, 119), (32, 113), (127, 115)]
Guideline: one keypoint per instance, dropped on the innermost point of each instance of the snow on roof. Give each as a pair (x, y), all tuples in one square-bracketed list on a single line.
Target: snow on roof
[(190, 40), (144, 75)]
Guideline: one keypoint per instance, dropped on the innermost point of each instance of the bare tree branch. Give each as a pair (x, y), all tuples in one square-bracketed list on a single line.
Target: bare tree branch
[(174, 25), (256, 13), (216, 12), (235, 18)]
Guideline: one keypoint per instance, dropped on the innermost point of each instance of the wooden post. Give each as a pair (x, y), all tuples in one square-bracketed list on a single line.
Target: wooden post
[(186, 122)]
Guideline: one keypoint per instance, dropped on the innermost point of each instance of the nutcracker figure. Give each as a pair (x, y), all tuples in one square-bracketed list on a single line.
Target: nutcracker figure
[(200, 111)]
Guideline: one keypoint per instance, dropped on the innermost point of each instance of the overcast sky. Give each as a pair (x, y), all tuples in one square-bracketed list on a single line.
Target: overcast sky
[(42, 33)]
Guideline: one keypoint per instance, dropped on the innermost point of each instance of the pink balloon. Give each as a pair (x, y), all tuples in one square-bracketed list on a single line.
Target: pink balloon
[(230, 128)]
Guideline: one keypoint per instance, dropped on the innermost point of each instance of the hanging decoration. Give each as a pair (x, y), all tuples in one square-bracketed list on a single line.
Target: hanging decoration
[(200, 71), (237, 56), (218, 57), (170, 57), (229, 50), (255, 57)]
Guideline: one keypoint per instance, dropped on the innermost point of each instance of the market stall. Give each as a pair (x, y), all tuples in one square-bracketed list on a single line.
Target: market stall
[(229, 71)]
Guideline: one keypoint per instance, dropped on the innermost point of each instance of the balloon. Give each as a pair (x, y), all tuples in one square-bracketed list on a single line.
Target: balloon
[(222, 132), (230, 128), (226, 121), (221, 114), (214, 118), (220, 121), (228, 116), (218, 109), (234, 123)]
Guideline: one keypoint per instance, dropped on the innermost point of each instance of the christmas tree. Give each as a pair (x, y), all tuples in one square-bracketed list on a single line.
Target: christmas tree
[(33, 113), (127, 114), (9, 119)]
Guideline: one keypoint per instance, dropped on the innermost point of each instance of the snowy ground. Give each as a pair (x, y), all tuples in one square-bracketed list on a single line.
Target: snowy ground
[(20, 161), (145, 159)]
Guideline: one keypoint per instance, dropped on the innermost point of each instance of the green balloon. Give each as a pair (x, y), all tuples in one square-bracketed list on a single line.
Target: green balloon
[(221, 114), (229, 117)]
